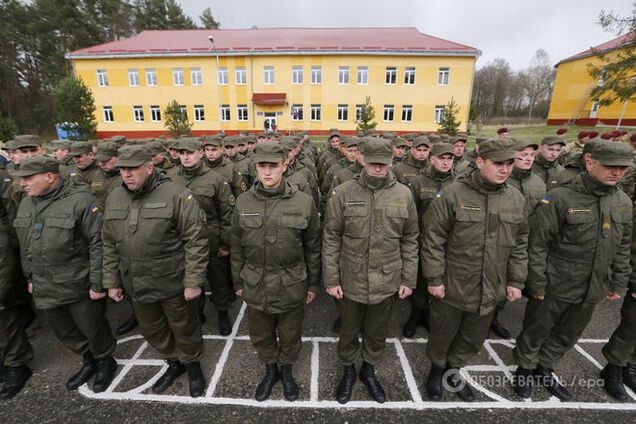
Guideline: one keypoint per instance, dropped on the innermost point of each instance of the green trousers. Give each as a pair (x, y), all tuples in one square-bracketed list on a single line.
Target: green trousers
[(82, 327), (14, 344), (456, 336), (372, 321), (621, 348), (420, 298), (550, 329), (173, 327), (218, 280), (277, 338)]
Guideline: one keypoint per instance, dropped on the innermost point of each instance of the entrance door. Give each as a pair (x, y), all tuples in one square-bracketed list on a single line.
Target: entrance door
[(594, 110), (270, 123)]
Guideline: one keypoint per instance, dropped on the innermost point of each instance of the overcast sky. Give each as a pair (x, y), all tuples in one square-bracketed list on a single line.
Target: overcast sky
[(512, 29)]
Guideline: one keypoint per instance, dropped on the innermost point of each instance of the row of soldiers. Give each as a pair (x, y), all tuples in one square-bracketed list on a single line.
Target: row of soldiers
[(463, 218)]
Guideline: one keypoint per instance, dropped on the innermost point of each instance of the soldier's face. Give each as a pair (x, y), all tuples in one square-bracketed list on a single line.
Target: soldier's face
[(494, 172), (335, 142), (378, 170), (26, 152), (420, 152), (174, 154), (270, 174), (190, 159), (550, 152), (107, 165), (60, 154), (135, 178), (398, 152), (352, 153), (607, 175), (504, 136), (242, 148), (83, 160), (458, 148), (442, 163), (524, 158), (39, 184), (230, 151), (158, 159), (213, 152)]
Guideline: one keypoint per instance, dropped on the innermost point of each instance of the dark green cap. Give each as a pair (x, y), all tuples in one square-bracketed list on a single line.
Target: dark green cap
[(497, 150), (106, 150), (421, 141), (37, 165), (433, 138), (377, 150), (212, 141), (189, 144), (521, 144), (288, 143), (589, 145), (352, 141), (119, 139), (552, 139), (79, 148), (10, 145), (230, 141), (409, 136), (155, 147), (133, 156), (440, 149), (333, 133), (459, 138), (270, 151), (60, 144), (612, 153), (399, 142), (27, 140)]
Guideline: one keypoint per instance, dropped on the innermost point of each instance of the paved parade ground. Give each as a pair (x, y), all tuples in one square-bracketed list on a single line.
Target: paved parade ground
[(233, 371)]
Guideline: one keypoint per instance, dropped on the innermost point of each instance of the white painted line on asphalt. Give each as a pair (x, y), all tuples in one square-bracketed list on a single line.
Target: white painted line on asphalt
[(599, 366), (408, 372), (315, 369), (495, 357), (150, 382), (494, 396), (127, 368)]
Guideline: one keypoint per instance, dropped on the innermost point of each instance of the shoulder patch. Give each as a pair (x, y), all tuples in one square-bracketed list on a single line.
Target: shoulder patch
[(546, 200), (439, 194), (232, 200), (188, 195), (93, 208)]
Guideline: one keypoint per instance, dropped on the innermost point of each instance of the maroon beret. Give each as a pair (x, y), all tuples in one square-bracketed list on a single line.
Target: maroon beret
[(593, 134), (582, 134), (607, 135), (502, 130), (561, 131)]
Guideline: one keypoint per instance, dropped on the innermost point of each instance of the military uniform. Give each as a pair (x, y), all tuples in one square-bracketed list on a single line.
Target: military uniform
[(223, 165), (410, 167), (105, 181), (242, 175), (546, 170)]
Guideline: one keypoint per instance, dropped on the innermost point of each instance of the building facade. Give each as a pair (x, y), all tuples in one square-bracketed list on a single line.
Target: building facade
[(293, 79)]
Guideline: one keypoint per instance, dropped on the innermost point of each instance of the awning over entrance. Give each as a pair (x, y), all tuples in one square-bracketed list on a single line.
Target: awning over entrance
[(269, 98)]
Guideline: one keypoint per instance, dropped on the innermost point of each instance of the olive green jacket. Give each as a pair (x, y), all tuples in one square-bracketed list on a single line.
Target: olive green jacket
[(408, 169), (547, 171), (155, 242), (104, 183), (225, 167), (579, 248), (369, 244), (425, 186), (60, 244), (243, 177), (475, 243), (275, 247), (530, 185)]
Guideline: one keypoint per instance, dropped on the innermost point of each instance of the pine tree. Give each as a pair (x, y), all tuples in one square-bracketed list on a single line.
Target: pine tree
[(365, 121), (448, 123), (208, 21), (74, 105), (176, 121)]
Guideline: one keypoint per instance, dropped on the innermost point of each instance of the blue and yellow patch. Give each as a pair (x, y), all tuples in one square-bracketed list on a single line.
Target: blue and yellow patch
[(188, 195), (439, 194), (545, 200), (93, 208)]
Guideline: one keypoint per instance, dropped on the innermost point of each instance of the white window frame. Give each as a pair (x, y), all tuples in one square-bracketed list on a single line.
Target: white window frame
[(390, 75), (133, 77), (315, 112), (224, 110), (358, 111), (196, 76), (362, 75), (409, 75), (443, 76), (342, 113), (408, 111), (242, 113), (223, 77), (298, 76), (343, 75), (241, 76), (155, 113), (151, 77), (108, 114), (138, 114), (316, 75), (269, 76), (601, 78), (184, 110), (298, 116), (439, 113), (388, 109), (594, 109), (102, 78), (199, 113), (178, 78)]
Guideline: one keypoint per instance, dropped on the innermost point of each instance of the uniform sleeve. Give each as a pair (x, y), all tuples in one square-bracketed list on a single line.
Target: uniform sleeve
[(632, 277), (110, 256), (409, 247), (518, 259), (437, 222), (545, 225), (237, 257), (90, 219), (225, 207), (311, 244), (333, 229), (191, 227), (621, 267)]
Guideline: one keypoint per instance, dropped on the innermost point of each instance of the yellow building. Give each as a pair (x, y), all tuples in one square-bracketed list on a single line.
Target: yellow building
[(571, 96), (297, 79)]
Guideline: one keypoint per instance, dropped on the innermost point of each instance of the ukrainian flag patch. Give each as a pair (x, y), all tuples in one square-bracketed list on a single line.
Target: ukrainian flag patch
[(545, 200), (188, 195), (94, 208)]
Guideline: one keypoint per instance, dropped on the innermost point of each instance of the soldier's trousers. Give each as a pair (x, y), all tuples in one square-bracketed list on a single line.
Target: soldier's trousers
[(14, 344), (372, 321), (420, 298), (456, 335), (621, 348), (550, 328), (82, 327), (217, 278), (276, 337), (173, 327)]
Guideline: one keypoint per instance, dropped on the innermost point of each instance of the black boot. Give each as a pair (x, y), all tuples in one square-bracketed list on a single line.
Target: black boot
[(434, 383), (499, 329), (424, 320), (128, 325), (290, 388), (195, 375), (411, 325), (368, 377), (460, 386), (175, 369), (105, 372), (336, 325), (613, 382), (522, 382), (264, 389), (84, 374), (225, 326), (345, 388), (547, 380), (629, 377), (15, 379)]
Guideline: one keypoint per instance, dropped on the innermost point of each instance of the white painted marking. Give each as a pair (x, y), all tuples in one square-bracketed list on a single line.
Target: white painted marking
[(495, 357), (494, 396), (127, 368), (600, 367), (408, 372), (315, 369)]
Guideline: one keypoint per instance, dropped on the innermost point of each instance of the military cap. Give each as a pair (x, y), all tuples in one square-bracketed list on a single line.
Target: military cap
[(119, 139), (288, 143), (632, 138), (444, 138), (189, 144), (497, 150), (502, 130), (60, 144), (271, 152), (10, 145), (251, 139), (399, 142), (212, 141), (27, 140), (37, 165), (607, 135), (155, 147), (106, 150), (262, 135), (561, 131), (79, 148), (421, 141), (171, 143), (592, 134), (589, 146), (241, 141), (389, 134), (230, 141), (582, 134), (552, 139), (479, 140), (440, 149), (521, 144), (93, 142), (377, 150), (332, 134), (613, 154), (133, 156), (352, 142), (457, 138), (409, 136), (433, 138)]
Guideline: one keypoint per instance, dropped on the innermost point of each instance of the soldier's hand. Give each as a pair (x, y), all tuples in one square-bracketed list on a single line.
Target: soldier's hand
[(190, 293), (437, 291), (30, 287), (538, 297), (613, 296), (116, 294), (239, 292), (405, 292), (96, 295), (634, 294), (310, 297), (513, 293), (335, 292), (223, 252)]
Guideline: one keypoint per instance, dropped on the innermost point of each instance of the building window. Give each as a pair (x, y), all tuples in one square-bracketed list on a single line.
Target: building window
[(297, 112), (133, 77), (439, 113), (138, 113), (409, 75), (196, 77), (407, 113), (199, 113), (151, 77), (316, 74), (343, 112), (601, 78), (442, 76), (241, 76), (184, 111), (343, 75), (363, 75), (225, 112), (177, 76), (108, 114), (297, 74), (315, 112), (241, 112), (268, 75), (155, 113), (223, 76), (389, 112), (102, 78), (391, 75), (358, 111)]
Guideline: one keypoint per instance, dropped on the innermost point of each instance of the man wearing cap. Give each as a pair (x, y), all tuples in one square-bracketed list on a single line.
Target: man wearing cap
[(86, 169), (561, 132), (350, 146), (59, 228), (399, 149), (574, 146), (574, 164), (330, 154), (109, 178), (579, 252), (160, 158), (459, 146), (503, 133), (217, 201), (416, 163), (216, 160), (545, 164), (296, 174), (242, 181), (156, 247), (467, 164), (369, 256), (61, 152), (276, 263), (473, 256), (523, 179), (424, 187), (353, 169)]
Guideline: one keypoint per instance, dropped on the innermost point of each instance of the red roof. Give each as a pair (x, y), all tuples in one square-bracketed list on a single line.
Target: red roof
[(607, 46), (276, 40), (269, 98)]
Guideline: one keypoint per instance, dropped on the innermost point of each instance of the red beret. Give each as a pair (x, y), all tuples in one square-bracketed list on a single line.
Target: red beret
[(607, 135), (502, 130), (633, 138), (592, 134), (561, 131), (582, 134)]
